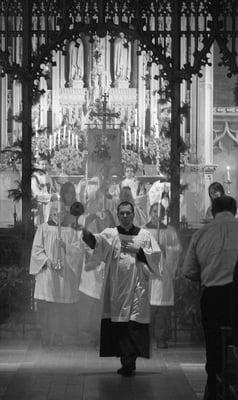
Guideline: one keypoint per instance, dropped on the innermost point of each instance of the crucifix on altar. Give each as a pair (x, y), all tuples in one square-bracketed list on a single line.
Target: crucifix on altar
[(104, 113)]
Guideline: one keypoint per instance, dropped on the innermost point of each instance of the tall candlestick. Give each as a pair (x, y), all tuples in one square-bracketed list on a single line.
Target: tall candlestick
[(54, 136), (129, 134), (50, 142), (156, 129), (139, 139), (36, 126), (136, 116), (228, 173), (125, 138), (69, 137), (135, 137), (143, 141), (59, 136), (64, 132), (58, 203)]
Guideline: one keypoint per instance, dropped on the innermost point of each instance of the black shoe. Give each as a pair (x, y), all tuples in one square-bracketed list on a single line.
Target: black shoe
[(126, 371)]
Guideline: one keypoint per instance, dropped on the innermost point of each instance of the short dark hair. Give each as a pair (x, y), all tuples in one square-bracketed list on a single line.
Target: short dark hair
[(125, 203), (224, 203)]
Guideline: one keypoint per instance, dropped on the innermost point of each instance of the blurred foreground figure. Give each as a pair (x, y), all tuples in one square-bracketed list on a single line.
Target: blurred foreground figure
[(55, 287), (68, 197), (131, 256), (42, 191), (210, 259), (162, 290), (215, 190)]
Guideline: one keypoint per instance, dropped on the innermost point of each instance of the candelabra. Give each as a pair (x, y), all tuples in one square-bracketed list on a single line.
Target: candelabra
[(134, 140), (228, 180)]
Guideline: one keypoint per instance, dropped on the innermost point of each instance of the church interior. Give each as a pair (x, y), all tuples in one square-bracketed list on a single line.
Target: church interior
[(97, 97)]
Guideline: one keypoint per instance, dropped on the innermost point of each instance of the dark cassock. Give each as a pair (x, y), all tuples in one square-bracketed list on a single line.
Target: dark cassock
[(126, 291)]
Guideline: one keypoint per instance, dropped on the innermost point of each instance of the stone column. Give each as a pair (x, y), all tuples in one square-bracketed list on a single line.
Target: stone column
[(55, 93), (183, 86), (153, 95), (108, 50), (3, 111), (17, 93), (141, 93), (43, 103), (201, 148), (61, 70), (205, 124), (16, 108)]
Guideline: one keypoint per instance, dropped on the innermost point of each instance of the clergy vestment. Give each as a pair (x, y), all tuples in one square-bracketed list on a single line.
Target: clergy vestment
[(91, 281), (126, 302), (162, 290), (55, 290), (41, 187)]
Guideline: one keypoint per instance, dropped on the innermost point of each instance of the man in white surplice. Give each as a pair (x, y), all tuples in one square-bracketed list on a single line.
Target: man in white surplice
[(131, 257), (55, 290)]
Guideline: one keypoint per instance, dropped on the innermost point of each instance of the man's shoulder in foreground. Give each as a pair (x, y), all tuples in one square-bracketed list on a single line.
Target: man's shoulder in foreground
[(221, 219)]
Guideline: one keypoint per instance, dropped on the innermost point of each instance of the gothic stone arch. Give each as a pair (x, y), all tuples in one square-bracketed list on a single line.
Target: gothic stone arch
[(160, 27)]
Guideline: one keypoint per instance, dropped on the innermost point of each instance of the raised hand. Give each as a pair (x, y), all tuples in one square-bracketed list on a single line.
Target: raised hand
[(129, 247)]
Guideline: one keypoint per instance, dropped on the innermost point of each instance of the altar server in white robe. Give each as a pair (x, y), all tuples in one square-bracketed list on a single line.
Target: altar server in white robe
[(131, 257), (162, 290), (42, 191), (55, 289)]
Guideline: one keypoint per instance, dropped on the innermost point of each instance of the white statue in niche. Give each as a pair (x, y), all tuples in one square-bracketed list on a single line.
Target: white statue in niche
[(99, 63), (76, 61), (122, 58)]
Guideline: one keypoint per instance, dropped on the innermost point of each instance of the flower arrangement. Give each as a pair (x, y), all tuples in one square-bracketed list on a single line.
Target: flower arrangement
[(68, 160), (40, 145), (132, 157), (64, 158)]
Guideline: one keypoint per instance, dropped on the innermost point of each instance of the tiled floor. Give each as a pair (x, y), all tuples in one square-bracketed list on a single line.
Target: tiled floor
[(29, 372)]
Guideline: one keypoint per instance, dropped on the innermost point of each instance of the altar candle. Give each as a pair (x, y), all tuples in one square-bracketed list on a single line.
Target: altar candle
[(129, 134), (36, 126), (58, 203), (54, 136), (136, 116), (72, 141), (69, 136), (135, 137), (157, 129), (139, 139), (228, 173), (64, 132), (50, 142), (125, 138), (143, 141), (59, 136)]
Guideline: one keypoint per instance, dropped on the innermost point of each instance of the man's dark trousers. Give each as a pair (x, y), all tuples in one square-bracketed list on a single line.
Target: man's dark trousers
[(216, 312)]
